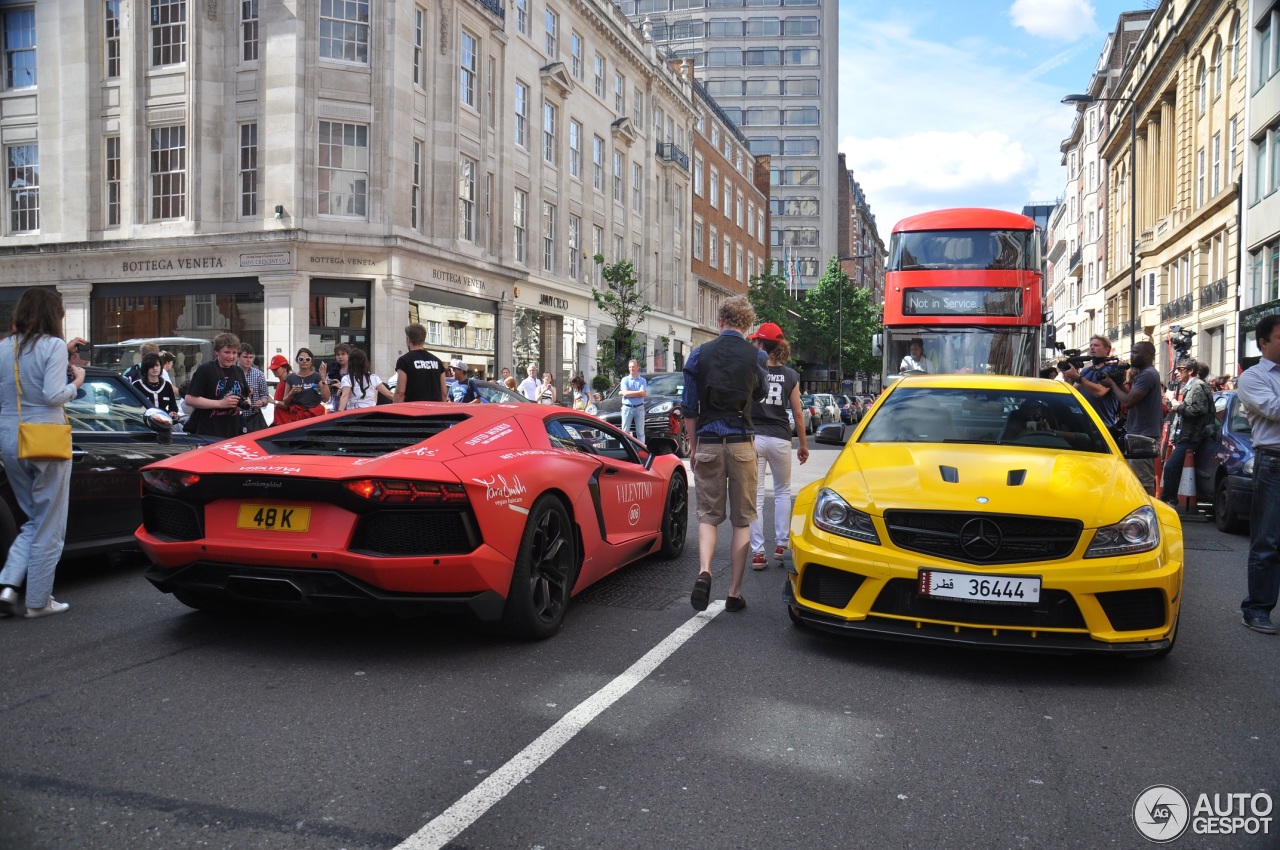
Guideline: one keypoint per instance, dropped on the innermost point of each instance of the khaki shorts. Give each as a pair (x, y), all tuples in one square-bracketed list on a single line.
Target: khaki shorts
[(1145, 469), (725, 470)]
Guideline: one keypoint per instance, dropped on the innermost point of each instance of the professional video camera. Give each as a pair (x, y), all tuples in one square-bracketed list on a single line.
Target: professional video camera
[(1181, 340), (1110, 367)]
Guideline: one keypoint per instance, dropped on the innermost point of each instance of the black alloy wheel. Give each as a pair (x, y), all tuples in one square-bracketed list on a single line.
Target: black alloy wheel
[(1224, 512), (675, 522), (543, 573)]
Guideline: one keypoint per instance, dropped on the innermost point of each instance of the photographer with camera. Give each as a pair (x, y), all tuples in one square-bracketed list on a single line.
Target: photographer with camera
[(1089, 379), (1146, 416)]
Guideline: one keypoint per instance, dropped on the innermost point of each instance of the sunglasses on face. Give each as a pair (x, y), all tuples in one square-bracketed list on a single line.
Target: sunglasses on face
[(304, 359)]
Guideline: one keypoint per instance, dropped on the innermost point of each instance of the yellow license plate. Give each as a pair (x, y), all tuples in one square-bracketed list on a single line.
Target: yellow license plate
[(274, 518)]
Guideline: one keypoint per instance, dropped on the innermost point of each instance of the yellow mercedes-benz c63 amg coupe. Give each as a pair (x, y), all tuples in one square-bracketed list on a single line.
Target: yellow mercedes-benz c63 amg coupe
[(985, 510)]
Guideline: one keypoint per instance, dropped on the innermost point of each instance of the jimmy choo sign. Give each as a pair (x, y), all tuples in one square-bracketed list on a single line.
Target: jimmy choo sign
[(552, 301)]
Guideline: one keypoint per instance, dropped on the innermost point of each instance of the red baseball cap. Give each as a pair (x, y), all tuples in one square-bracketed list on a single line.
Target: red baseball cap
[(276, 362), (768, 331)]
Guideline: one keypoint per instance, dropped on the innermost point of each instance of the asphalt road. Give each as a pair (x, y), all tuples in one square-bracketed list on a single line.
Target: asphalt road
[(132, 722)]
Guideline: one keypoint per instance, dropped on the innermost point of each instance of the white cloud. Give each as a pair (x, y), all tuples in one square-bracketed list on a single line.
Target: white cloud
[(927, 124), (1060, 20)]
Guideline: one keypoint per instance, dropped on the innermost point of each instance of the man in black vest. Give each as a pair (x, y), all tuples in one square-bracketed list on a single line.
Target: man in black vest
[(722, 379)]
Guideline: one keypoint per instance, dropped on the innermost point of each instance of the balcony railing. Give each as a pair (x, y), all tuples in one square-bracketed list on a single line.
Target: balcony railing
[(668, 152), (1126, 329), (1075, 262), (1178, 308), (1214, 293), (494, 7), (1113, 333)]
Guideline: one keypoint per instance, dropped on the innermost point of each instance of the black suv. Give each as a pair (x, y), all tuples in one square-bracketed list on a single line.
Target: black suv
[(661, 402)]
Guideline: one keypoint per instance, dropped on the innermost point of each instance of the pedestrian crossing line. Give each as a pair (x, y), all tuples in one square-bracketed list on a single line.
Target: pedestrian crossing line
[(450, 823)]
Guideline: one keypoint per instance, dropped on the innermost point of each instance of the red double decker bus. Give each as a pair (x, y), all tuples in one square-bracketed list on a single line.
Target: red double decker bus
[(963, 293)]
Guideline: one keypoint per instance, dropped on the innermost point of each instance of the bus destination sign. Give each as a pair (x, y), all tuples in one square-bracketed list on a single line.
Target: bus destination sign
[(962, 302)]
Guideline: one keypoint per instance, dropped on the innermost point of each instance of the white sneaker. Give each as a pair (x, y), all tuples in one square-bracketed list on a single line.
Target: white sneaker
[(53, 606), (9, 602)]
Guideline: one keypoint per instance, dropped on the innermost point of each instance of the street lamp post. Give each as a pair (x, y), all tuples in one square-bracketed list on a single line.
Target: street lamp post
[(844, 279), (1133, 199)]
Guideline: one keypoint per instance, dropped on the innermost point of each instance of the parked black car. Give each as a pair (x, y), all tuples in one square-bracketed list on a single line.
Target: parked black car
[(113, 435), (662, 400)]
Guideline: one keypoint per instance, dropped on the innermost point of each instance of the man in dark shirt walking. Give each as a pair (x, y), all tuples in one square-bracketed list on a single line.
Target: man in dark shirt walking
[(419, 373), (1146, 415), (722, 379)]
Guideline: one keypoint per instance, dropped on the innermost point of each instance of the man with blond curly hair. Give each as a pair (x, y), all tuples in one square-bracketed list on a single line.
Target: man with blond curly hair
[(722, 379)]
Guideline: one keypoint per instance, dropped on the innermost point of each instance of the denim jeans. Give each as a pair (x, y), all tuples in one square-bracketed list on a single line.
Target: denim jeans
[(1173, 469), (1264, 538), (633, 420), (776, 454), (43, 491)]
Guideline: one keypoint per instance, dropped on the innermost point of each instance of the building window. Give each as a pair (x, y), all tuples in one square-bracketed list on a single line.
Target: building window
[(1231, 148), (1217, 70), (491, 93), (728, 196), (599, 78), (637, 188), (22, 164), (713, 256), (1267, 47), (727, 257), (168, 32), (549, 117), (1202, 89), (468, 67), (344, 169), (619, 94), (111, 39), (467, 199), (575, 247), (597, 163), (344, 30), (553, 35), (415, 188), (597, 250), (112, 171), (637, 109), (522, 114), (168, 172), (520, 218), (548, 237), (522, 16), (737, 210), (619, 176), (713, 193), (739, 270), (575, 149), (697, 175), (698, 237), (576, 64), (1216, 164), (249, 30), (419, 24), (248, 170)]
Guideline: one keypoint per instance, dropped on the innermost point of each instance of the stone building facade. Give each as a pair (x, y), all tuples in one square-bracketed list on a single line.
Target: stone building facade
[(305, 174)]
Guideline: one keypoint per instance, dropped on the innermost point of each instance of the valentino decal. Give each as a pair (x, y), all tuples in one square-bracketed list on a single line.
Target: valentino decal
[(635, 490)]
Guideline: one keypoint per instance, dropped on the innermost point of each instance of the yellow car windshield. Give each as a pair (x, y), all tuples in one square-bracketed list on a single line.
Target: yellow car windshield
[(983, 417)]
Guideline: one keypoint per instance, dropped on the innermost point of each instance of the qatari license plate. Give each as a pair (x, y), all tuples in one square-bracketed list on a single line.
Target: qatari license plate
[(979, 588)]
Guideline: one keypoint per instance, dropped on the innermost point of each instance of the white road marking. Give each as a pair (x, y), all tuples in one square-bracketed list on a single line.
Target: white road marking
[(450, 823)]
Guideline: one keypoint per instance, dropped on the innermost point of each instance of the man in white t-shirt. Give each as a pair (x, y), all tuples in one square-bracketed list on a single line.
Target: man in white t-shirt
[(915, 361), (529, 386)]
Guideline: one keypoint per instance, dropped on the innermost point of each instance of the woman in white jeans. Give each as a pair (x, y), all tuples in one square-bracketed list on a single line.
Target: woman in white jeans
[(773, 441), (42, 488)]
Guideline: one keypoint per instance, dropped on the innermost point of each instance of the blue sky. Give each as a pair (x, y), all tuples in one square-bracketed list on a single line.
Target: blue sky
[(946, 103)]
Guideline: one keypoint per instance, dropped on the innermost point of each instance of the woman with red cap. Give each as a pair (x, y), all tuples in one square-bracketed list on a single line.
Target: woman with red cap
[(773, 441)]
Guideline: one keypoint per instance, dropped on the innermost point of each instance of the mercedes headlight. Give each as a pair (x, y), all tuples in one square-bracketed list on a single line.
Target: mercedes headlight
[(832, 513), (592, 409), (1138, 532), (665, 407)]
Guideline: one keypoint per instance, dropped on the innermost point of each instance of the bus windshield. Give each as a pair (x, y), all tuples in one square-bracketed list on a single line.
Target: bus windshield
[(961, 350), (977, 250)]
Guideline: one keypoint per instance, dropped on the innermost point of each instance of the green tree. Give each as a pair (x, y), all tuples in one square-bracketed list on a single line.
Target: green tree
[(819, 329), (625, 306), (770, 299)]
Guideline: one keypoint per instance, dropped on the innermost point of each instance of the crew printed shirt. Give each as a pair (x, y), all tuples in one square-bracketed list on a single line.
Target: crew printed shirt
[(422, 371)]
